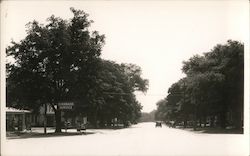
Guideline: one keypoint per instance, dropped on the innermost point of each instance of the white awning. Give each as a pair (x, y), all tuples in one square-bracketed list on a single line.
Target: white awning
[(14, 110)]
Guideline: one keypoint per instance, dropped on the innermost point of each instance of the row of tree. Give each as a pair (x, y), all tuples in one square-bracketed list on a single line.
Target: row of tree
[(211, 92), (60, 61), (147, 117)]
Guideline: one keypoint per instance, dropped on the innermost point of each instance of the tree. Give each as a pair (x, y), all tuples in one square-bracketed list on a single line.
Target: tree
[(114, 93), (148, 117), (213, 87), (53, 63), (229, 61), (133, 74), (161, 112)]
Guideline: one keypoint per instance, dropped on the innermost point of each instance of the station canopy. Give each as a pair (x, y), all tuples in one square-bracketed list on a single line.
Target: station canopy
[(17, 111)]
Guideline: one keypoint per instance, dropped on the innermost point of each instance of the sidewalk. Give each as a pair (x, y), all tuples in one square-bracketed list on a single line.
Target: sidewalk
[(38, 132), (210, 130)]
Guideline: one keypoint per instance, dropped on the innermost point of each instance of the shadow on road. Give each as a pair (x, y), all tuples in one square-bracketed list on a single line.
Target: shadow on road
[(215, 130), (38, 133), (26, 135), (222, 131)]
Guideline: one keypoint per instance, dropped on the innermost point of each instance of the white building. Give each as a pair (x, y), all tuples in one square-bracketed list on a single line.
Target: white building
[(17, 119)]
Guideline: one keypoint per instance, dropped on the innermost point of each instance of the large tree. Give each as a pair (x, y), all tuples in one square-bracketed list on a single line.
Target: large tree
[(60, 61), (114, 93), (213, 87), (217, 82), (53, 63)]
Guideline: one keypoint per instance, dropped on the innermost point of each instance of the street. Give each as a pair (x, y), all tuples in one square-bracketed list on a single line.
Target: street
[(140, 139)]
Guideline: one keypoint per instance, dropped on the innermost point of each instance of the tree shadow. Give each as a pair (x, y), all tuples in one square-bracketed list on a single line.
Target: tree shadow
[(25, 135), (219, 131)]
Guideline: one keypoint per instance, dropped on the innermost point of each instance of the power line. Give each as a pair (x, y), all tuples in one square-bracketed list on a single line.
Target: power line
[(114, 93), (142, 94)]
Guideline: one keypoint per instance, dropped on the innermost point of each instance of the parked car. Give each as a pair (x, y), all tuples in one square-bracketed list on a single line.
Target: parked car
[(158, 124)]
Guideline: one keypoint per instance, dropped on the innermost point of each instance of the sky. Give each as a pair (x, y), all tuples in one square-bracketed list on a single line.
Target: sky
[(156, 35)]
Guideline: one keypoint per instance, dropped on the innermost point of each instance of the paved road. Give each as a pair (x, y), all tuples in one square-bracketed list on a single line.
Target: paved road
[(140, 139)]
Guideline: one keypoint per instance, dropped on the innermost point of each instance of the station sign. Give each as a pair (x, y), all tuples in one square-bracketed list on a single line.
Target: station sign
[(66, 105)]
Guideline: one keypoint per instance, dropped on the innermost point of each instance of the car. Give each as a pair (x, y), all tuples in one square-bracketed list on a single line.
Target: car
[(158, 124)]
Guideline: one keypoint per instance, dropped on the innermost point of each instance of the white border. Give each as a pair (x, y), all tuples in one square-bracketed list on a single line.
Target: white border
[(3, 91)]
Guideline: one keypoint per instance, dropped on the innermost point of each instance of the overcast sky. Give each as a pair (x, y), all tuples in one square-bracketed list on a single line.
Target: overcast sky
[(156, 35)]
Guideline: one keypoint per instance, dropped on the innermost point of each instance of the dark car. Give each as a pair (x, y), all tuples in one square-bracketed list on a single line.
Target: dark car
[(158, 124)]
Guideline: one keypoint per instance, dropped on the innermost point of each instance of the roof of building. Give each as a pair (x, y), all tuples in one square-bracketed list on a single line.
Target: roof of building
[(14, 110)]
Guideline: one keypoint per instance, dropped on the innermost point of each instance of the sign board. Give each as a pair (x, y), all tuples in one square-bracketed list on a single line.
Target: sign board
[(66, 105), (85, 120)]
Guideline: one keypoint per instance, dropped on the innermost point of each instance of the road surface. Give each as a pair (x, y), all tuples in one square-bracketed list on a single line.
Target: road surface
[(140, 139)]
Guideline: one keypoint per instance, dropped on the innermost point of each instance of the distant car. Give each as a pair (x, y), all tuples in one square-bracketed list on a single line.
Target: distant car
[(158, 124)]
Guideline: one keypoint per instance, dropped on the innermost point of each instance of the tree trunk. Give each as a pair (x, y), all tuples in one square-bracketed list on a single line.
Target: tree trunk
[(185, 123), (223, 120), (95, 119), (109, 123), (45, 119), (195, 122), (200, 122), (195, 119), (102, 123), (205, 121), (238, 120), (212, 121), (195, 125), (58, 121)]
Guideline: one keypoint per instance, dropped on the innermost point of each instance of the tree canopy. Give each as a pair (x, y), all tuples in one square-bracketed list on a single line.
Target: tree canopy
[(60, 61), (212, 89)]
